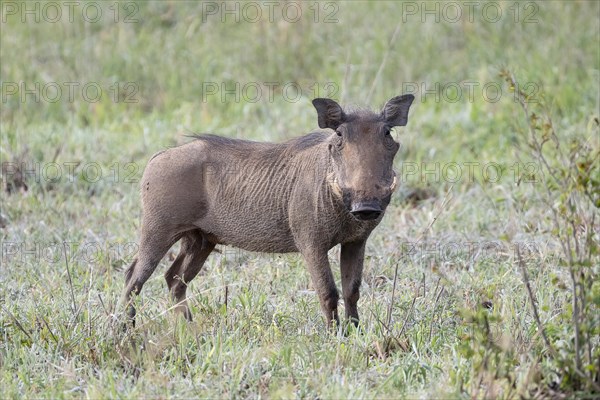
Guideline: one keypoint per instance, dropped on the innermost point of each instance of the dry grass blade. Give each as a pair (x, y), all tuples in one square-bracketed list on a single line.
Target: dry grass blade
[(17, 323), (73, 307), (534, 307)]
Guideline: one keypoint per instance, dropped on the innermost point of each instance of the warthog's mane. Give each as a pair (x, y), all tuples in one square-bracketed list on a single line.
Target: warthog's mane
[(299, 143), (363, 114), (296, 144)]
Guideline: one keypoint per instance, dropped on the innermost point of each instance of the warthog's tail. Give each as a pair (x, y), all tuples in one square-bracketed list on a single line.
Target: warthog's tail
[(126, 297), (129, 270)]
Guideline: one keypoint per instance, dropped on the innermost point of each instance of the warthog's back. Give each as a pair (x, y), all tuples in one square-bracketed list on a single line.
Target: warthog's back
[(240, 190)]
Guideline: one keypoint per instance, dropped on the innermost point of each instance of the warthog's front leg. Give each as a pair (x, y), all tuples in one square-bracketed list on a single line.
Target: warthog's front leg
[(351, 265), (322, 279)]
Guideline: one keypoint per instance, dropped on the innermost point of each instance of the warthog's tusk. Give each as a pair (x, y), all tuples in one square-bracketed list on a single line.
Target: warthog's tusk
[(394, 184), (334, 184)]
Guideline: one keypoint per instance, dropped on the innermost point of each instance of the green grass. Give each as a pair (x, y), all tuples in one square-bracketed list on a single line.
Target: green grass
[(258, 329)]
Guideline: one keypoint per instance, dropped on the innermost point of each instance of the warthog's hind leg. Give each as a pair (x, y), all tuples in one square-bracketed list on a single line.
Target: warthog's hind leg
[(152, 249), (195, 249)]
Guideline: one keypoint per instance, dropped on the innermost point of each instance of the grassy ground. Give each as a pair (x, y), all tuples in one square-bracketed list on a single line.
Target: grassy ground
[(457, 323)]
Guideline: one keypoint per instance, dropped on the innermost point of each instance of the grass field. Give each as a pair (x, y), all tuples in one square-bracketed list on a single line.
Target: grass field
[(91, 90)]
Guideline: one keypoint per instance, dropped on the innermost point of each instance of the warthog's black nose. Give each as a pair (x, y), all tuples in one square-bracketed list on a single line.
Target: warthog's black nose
[(366, 211)]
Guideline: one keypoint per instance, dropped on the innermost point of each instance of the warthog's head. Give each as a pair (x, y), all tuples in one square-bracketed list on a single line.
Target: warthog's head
[(362, 152)]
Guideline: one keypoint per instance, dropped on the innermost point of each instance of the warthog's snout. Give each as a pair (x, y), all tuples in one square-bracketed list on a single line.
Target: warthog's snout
[(366, 210)]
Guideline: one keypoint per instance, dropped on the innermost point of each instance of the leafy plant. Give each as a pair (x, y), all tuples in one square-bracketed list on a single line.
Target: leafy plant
[(571, 191)]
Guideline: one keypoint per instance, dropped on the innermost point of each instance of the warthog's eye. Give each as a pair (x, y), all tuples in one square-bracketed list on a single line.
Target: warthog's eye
[(388, 140), (338, 140)]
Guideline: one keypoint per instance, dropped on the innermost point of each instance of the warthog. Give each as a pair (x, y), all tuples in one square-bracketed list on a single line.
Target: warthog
[(306, 195)]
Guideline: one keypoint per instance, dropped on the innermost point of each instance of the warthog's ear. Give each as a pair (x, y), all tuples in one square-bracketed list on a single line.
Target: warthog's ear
[(395, 111), (330, 113)]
